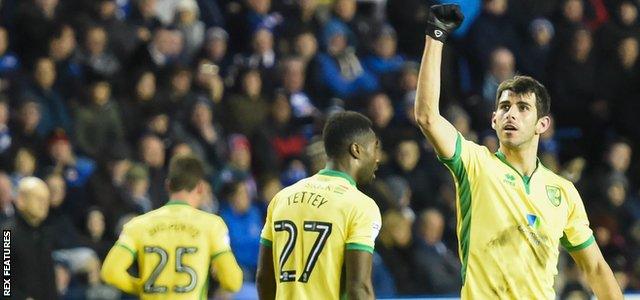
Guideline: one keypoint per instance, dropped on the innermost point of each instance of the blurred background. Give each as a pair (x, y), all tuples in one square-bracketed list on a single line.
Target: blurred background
[(97, 95)]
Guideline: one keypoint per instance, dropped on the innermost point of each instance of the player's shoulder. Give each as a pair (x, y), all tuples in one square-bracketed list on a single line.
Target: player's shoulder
[(361, 200), (463, 144), (554, 178)]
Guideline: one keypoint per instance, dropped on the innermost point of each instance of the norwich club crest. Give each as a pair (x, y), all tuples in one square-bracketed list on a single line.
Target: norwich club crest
[(553, 194)]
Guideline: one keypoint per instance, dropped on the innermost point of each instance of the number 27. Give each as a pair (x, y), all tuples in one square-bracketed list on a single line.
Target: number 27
[(322, 228)]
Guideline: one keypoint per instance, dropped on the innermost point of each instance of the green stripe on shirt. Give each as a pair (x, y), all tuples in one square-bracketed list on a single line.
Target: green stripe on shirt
[(265, 242), (133, 252), (361, 247), (456, 166), (567, 245)]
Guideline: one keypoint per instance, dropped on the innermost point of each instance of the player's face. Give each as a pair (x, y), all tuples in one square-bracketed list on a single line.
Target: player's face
[(515, 119), (369, 159)]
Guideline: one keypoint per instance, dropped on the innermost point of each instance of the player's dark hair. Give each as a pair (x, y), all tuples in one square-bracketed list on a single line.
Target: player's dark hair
[(185, 172), (524, 85), (341, 130)]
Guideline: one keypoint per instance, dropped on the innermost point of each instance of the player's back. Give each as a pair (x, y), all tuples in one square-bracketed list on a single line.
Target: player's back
[(310, 225), (174, 246)]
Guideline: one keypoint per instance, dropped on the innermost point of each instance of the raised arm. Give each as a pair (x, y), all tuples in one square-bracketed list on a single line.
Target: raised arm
[(597, 272), (441, 134)]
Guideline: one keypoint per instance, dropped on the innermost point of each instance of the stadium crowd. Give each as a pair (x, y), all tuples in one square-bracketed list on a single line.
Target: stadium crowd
[(96, 96)]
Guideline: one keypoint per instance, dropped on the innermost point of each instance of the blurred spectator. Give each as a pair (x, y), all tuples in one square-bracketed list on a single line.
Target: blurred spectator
[(186, 20), (96, 56), (144, 17), (208, 83), (270, 185), (293, 83), (493, 29), (6, 139), (9, 62), (622, 24), (136, 188), (24, 165), (255, 15), (618, 84), (75, 169), (574, 80), (153, 156), (215, 48), (98, 123), (248, 109), (340, 68), (62, 49), (537, 49), (395, 246), (60, 218), (302, 16), (107, 186), (281, 138), (262, 56), (381, 112), (206, 135), (161, 52), (142, 100), (122, 36), (405, 16), (245, 222), (616, 164), (406, 164), (502, 67), (54, 112), (7, 210), (385, 62), (95, 233), (238, 167), (438, 265), (358, 28), (462, 122), (32, 242), (34, 20), (305, 46), (400, 193)]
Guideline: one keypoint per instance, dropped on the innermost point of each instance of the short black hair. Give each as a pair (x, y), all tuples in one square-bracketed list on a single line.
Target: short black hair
[(523, 85), (185, 172), (342, 129)]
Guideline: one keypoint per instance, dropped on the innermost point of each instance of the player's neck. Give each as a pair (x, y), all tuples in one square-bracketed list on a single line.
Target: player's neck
[(341, 166), (185, 197), (523, 159)]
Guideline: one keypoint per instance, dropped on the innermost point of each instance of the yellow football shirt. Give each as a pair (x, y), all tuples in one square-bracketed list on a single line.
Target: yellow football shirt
[(309, 226), (510, 226), (175, 247)]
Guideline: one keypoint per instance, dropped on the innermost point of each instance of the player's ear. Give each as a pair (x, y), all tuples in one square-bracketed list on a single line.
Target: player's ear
[(543, 124), (200, 187), (493, 120), (355, 150)]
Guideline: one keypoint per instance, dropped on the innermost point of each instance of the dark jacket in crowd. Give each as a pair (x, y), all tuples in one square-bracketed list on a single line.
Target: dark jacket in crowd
[(32, 273)]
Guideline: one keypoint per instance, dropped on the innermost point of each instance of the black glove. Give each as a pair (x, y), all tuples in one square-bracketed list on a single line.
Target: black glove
[(443, 19)]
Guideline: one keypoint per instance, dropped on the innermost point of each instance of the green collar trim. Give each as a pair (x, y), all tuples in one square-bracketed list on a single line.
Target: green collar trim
[(525, 179), (176, 202), (334, 173)]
